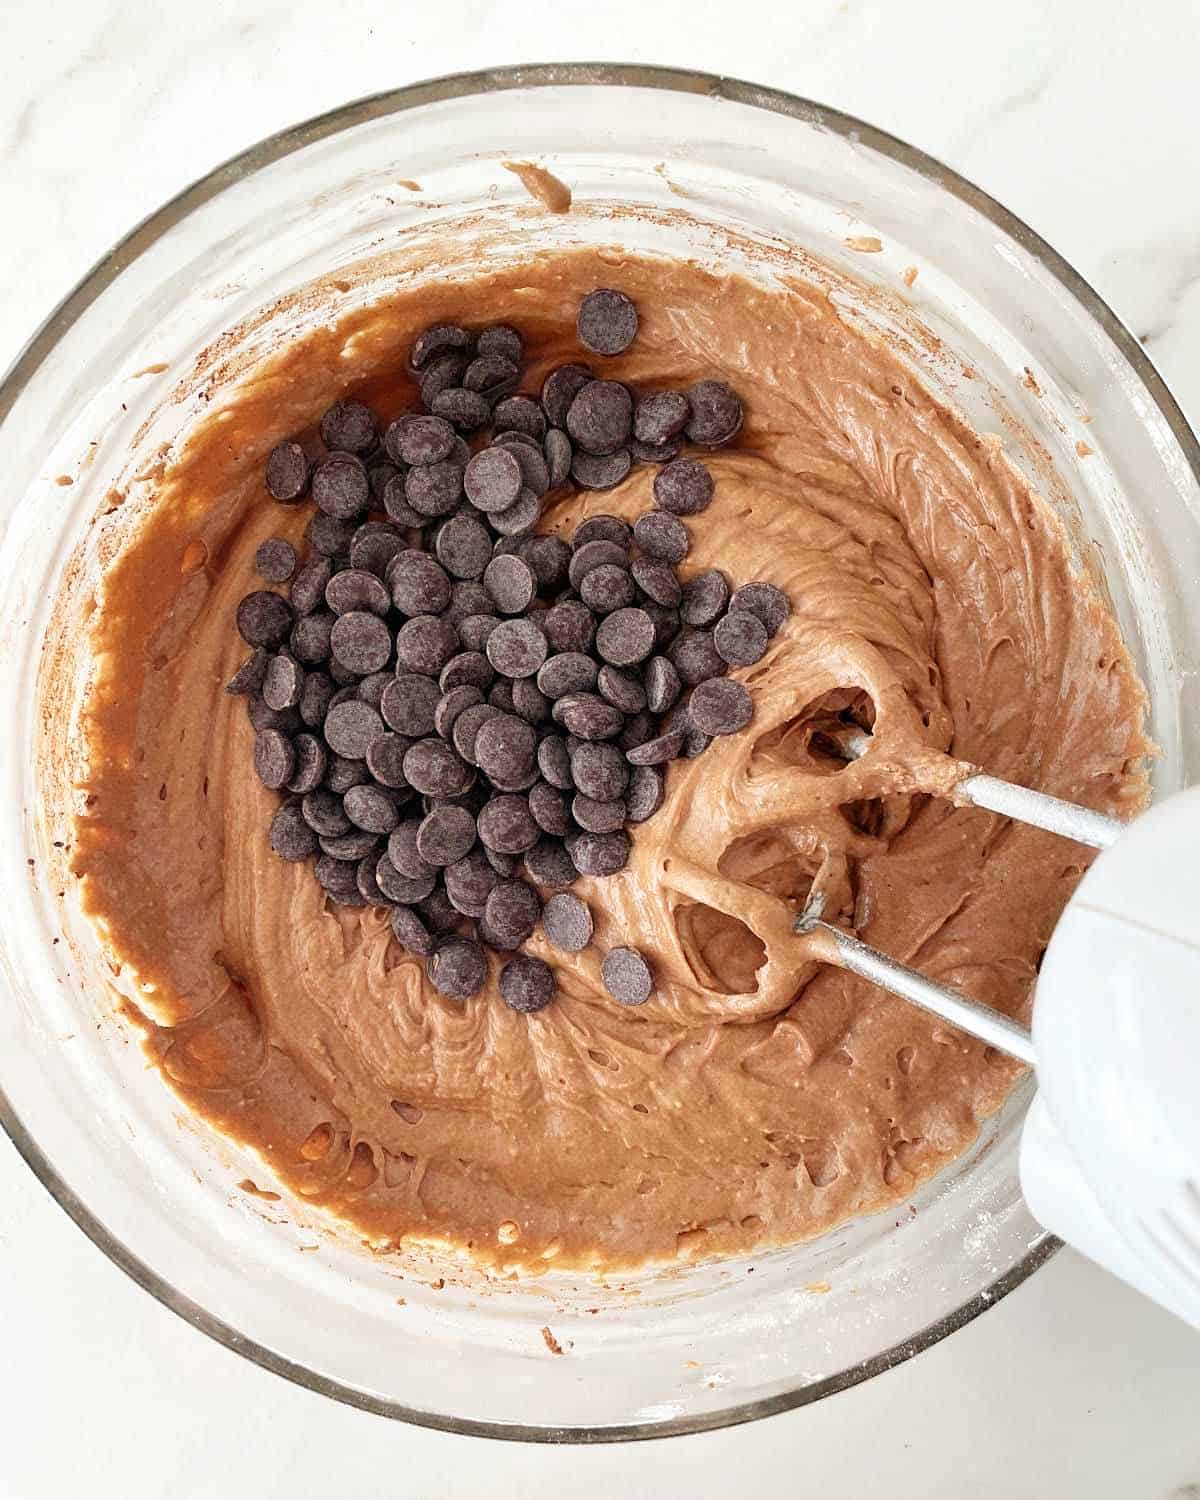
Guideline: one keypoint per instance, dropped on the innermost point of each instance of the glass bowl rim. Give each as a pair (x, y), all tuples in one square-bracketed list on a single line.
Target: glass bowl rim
[(345, 117)]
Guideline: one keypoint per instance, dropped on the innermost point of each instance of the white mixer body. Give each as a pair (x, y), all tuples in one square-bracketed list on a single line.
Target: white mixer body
[(1110, 1156)]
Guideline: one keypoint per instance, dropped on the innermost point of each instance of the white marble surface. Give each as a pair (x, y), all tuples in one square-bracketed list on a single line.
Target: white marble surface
[(1080, 116)]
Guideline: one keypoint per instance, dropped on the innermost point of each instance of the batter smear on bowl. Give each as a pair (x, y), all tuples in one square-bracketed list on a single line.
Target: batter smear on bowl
[(689, 1080)]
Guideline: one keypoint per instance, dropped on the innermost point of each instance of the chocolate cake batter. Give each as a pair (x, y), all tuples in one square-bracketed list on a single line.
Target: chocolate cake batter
[(759, 1097)]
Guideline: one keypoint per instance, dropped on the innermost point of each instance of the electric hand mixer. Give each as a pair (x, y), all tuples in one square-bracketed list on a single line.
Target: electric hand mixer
[(1110, 1155)]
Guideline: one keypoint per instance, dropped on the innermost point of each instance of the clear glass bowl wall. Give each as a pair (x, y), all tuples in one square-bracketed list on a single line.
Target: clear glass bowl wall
[(660, 162)]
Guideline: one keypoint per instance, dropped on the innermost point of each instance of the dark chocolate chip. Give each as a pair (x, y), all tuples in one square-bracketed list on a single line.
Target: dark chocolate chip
[(569, 625), (716, 413), (549, 558), (360, 641), (644, 795), (395, 502), (603, 528), (315, 698), (600, 471), (695, 658), (474, 631), (408, 704), (351, 726), (621, 689), (366, 880), (765, 601), (339, 880), (373, 686), (599, 854), (695, 741), (608, 588), (411, 932), (627, 976), (625, 637), (507, 825), (656, 453), (554, 762), (446, 835), (661, 536), (510, 582), (355, 845), (403, 852), (599, 771), (340, 488), (657, 581), (600, 419), (535, 475), (434, 489), (720, 706), (349, 427), (424, 440), (660, 416), (287, 472), (439, 339), (290, 836), (597, 817), (370, 808), (512, 911), (740, 638), (505, 747), (493, 479), (469, 882), (527, 984), (454, 702), (329, 537), (466, 409), (549, 808), (356, 589), (488, 372), (250, 676), (467, 669), (406, 889), (438, 912), (436, 769), (264, 619), (568, 672), (529, 701), (567, 922), (467, 727), (663, 686), (588, 716), (520, 414), (512, 438), (425, 644), (683, 488), (342, 774), (311, 762), (557, 451), (262, 716), (595, 554), (374, 545), (323, 813), (464, 546), (607, 322), (283, 684), (457, 968), (523, 514), (549, 863), (275, 560), (443, 373), (379, 471), (501, 340), (705, 597), (309, 585), (469, 597), (274, 758), (560, 389), (516, 648), (656, 752), (311, 636)]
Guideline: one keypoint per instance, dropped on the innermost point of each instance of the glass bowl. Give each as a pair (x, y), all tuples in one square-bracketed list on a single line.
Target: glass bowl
[(663, 162)]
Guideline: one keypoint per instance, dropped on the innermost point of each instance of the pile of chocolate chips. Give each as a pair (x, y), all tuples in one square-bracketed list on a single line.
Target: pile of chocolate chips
[(444, 695)]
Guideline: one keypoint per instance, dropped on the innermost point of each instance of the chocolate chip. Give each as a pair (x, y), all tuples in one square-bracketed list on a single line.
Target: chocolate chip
[(446, 835), (309, 585), (549, 863), (597, 817), (657, 581), (408, 704), (516, 648), (600, 419), (425, 644), (474, 631), (454, 702), (599, 853), (716, 413), (720, 706), (660, 416), (469, 597), (315, 698), (424, 440), (520, 414), (434, 489), (323, 813), (626, 976), (511, 583), (507, 825), (379, 471), (395, 502), (666, 623), (560, 389), (588, 716), (568, 672), (350, 727), (607, 588), (600, 472), (695, 741), (621, 689), (439, 339), (695, 658), (603, 528), (274, 758), (535, 475), (444, 372), (661, 536), (339, 880), (764, 600), (529, 701), (374, 545), (644, 795), (467, 727), (558, 453), (662, 685), (370, 808), (548, 557), (527, 984), (406, 889), (469, 882), (372, 688), (567, 922), (466, 409), (655, 453), (625, 637), (595, 554), (290, 836), (607, 321), (511, 911), (705, 597), (250, 676), (599, 771), (311, 762), (367, 881), (511, 437), (340, 488), (410, 932), (554, 762), (549, 808), (457, 968), (356, 589), (655, 752), (502, 341), (683, 488), (523, 514), (328, 536), (283, 683), (360, 641), (349, 426), (354, 845), (404, 854), (489, 371), (287, 472), (438, 912), (436, 769), (342, 774), (463, 546), (740, 638), (264, 619), (493, 479), (467, 669), (275, 560), (505, 748), (310, 637), (569, 626)]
